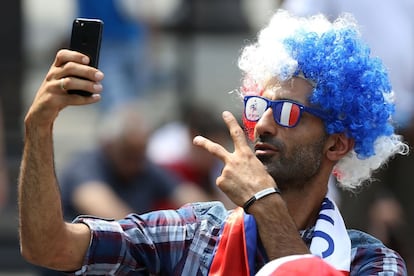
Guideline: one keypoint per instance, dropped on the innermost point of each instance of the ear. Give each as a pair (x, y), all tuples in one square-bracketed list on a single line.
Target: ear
[(338, 145)]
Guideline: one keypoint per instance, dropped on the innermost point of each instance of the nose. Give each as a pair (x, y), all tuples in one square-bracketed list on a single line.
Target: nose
[(266, 125)]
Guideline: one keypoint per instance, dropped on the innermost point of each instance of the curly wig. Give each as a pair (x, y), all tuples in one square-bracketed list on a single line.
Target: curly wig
[(350, 86)]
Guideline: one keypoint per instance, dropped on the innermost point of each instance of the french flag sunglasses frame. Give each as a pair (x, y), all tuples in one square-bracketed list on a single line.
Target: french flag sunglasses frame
[(286, 113)]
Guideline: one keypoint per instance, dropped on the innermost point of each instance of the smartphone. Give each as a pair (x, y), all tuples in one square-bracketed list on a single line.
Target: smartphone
[(86, 38)]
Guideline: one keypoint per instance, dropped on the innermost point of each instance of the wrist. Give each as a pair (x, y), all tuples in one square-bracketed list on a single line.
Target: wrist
[(258, 196), (32, 125)]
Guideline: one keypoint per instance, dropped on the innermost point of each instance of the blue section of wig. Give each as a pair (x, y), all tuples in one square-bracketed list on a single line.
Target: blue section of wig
[(350, 86)]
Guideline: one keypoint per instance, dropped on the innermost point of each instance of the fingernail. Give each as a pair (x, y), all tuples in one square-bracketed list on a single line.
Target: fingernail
[(85, 60), (226, 114), (99, 75), (196, 139), (97, 87)]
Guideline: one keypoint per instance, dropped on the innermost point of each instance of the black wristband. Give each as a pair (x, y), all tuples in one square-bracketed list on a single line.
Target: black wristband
[(258, 196)]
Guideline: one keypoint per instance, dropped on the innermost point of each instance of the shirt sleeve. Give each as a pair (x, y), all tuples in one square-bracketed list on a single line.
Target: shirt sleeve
[(378, 261), (106, 248), (153, 243)]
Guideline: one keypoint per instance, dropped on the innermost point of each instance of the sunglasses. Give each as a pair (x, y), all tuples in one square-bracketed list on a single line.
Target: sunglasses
[(286, 113)]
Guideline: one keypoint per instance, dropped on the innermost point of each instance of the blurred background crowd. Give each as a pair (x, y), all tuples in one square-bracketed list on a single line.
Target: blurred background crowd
[(170, 69)]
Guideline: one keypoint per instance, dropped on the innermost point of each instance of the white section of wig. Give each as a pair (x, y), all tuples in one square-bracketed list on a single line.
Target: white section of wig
[(351, 172), (260, 60), (268, 57)]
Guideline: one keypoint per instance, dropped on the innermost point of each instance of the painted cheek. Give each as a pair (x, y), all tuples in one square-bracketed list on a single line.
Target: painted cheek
[(249, 127)]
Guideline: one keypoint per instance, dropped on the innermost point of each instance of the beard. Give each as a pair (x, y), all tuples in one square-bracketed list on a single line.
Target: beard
[(293, 168)]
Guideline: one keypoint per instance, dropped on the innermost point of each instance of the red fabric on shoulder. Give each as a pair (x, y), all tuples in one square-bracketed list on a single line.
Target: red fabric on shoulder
[(231, 254)]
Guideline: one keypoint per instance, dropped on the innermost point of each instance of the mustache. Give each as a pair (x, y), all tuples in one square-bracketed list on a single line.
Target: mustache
[(270, 141)]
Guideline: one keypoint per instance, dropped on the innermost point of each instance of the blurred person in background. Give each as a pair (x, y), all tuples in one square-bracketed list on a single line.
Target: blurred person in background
[(386, 209), (188, 162), (116, 178), (125, 53)]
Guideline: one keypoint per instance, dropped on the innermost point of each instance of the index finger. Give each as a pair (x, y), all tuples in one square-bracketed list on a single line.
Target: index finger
[(214, 148), (236, 132)]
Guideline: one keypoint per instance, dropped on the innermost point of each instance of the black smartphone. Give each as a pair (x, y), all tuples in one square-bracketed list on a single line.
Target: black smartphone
[(86, 38)]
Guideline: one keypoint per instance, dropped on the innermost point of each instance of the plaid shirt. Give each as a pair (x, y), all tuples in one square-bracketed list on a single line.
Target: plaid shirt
[(182, 242)]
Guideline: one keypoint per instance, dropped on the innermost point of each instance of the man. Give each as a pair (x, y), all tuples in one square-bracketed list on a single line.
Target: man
[(315, 104)]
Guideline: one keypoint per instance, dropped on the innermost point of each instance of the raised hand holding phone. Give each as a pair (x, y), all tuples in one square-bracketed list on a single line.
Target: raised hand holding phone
[(86, 38)]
